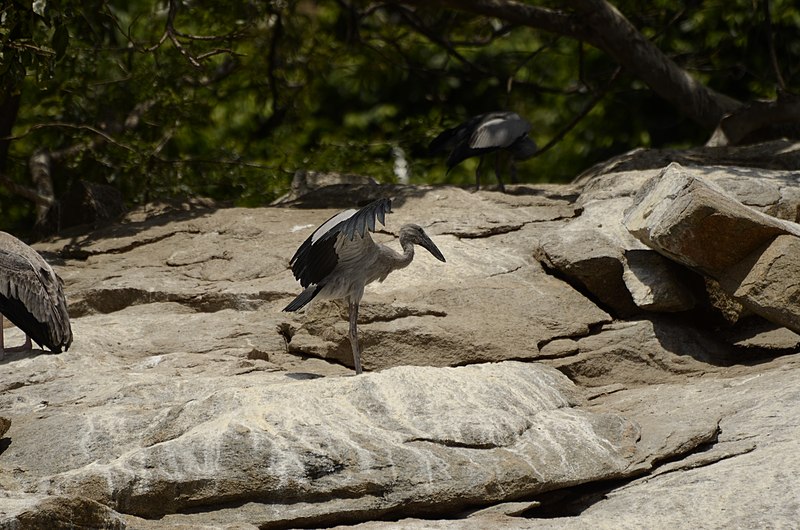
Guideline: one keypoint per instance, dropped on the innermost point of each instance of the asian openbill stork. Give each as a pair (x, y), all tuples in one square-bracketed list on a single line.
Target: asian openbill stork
[(32, 297), (503, 133), (340, 258)]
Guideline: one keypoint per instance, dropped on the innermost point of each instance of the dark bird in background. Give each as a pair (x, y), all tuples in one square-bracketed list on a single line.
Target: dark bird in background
[(340, 258), (503, 133), (32, 297)]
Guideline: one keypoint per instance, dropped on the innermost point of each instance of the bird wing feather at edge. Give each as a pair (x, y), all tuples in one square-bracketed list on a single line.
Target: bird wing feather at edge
[(318, 255), (25, 276), (499, 132)]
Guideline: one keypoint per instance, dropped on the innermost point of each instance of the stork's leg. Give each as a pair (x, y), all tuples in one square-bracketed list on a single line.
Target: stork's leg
[(497, 171), (353, 335), (513, 170), (27, 346), (478, 174)]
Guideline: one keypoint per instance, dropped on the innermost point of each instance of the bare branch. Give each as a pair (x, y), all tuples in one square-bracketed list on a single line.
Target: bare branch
[(511, 11), (173, 37), (25, 192), (89, 128), (596, 98)]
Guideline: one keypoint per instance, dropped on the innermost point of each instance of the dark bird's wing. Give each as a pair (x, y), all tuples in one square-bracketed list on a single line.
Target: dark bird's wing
[(524, 148), (450, 138), (317, 256), (32, 295)]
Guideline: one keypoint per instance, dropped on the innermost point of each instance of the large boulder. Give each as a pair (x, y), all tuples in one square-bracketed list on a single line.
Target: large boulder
[(752, 255)]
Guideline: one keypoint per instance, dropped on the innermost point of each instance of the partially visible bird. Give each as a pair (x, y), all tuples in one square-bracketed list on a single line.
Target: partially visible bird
[(505, 133), (32, 297), (340, 258)]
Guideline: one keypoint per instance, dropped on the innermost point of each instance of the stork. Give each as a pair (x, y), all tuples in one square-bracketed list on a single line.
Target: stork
[(339, 258), (505, 133), (32, 297)]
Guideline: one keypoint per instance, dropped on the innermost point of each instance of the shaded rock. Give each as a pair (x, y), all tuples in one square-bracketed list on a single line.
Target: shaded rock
[(57, 512), (654, 284), (697, 224), (767, 283), (638, 352), (593, 263), (758, 334), (324, 189), (774, 155), (597, 255)]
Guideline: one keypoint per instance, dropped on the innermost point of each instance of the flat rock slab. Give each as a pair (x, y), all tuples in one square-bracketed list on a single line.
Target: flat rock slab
[(744, 476), (319, 450)]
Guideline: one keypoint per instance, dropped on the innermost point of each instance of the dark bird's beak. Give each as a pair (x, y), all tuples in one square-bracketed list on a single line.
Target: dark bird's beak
[(426, 242)]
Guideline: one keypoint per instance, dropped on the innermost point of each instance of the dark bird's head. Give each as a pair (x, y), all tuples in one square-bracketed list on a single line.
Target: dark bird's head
[(412, 233)]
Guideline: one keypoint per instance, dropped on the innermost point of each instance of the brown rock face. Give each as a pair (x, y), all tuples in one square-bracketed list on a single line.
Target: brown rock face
[(556, 372)]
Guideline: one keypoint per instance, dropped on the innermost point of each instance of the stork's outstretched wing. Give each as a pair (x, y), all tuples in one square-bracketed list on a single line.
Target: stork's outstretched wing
[(317, 256)]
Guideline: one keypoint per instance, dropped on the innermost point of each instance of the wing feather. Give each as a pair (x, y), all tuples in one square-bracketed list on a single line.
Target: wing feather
[(32, 294), (318, 256), (499, 132)]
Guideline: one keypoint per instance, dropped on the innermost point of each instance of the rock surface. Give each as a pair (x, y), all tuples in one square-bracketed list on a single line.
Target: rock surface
[(752, 255), (555, 372)]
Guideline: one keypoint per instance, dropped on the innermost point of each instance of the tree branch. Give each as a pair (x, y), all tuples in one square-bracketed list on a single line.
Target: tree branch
[(600, 24), (511, 11), (25, 192), (599, 94)]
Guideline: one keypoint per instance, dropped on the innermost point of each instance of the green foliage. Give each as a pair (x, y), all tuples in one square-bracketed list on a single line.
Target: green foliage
[(229, 99)]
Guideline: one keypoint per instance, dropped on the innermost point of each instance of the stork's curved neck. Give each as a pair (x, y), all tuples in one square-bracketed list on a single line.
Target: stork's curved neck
[(408, 251)]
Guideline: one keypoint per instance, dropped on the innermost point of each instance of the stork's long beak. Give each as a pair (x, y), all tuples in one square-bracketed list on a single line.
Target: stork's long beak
[(426, 242)]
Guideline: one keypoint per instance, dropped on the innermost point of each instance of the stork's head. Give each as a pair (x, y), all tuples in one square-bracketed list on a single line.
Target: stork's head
[(415, 234)]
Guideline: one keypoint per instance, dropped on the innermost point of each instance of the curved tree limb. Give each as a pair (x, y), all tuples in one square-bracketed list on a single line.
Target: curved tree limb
[(600, 24)]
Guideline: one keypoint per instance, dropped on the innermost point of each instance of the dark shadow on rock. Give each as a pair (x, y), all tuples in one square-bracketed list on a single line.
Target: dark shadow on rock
[(341, 196), (303, 376), (31, 354), (5, 443), (156, 214)]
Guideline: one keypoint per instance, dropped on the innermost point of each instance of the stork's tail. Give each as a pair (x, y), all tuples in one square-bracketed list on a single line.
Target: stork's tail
[(303, 298)]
